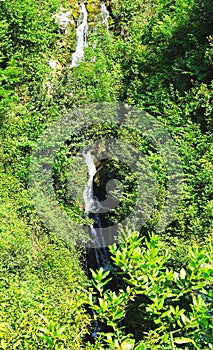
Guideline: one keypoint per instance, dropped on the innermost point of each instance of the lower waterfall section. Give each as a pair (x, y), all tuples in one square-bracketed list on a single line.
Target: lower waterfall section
[(98, 256), (92, 209)]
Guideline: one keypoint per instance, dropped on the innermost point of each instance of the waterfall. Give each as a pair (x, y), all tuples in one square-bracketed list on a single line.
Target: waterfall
[(93, 208), (82, 32), (105, 16), (88, 192), (81, 36)]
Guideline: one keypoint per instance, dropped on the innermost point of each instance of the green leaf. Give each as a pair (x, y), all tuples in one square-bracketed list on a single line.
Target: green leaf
[(128, 344), (44, 330), (183, 340), (182, 274), (62, 329)]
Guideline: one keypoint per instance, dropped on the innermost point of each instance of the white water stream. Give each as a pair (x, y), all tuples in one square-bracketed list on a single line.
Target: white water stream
[(82, 32), (92, 205), (81, 36), (105, 16)]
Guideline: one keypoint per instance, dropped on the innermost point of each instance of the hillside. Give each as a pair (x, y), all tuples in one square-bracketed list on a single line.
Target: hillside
[(106, 128)]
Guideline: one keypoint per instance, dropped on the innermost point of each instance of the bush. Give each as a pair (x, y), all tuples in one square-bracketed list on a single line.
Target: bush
[(173, 308)]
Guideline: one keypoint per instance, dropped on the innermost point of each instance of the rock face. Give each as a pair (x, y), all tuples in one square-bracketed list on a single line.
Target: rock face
[(93, 9), (100, 180)]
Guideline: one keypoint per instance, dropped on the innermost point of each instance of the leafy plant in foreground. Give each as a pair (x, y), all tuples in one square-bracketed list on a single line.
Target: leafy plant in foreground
[(175, 303)]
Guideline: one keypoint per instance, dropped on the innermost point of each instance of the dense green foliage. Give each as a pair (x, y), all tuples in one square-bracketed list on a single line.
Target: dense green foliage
[(168, 307), (159, 57), (39, 274)]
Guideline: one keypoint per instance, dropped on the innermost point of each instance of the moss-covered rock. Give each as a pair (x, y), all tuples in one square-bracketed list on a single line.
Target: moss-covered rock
[(76, 13), (75, 9), (93, 8), (73, 3)]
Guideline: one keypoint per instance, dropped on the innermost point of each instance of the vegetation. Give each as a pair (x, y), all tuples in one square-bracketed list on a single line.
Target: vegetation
[(158, 57), (168, 307)]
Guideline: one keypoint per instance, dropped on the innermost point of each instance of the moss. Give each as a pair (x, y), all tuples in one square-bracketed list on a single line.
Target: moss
[(73, 3), (93, 8), (75, 9), (75, 14), (97, 2), (71, 27), (92, 24)]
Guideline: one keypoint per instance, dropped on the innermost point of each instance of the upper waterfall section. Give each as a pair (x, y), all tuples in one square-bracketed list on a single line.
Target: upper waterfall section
[(81, 36)]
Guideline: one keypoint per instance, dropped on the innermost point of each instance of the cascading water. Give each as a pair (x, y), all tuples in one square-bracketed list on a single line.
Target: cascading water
[(92, 209), (81, 36), (105, 16), (92, 205)]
